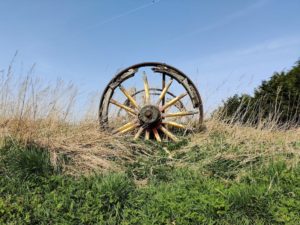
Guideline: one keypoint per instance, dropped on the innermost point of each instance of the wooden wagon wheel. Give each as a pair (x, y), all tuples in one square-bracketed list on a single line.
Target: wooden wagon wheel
[(153, 118)]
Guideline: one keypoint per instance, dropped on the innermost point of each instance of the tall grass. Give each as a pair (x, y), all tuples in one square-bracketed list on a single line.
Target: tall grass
[(34, 110), (29, 98), (274, 104)]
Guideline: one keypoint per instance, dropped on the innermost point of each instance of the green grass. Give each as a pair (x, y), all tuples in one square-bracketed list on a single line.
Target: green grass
[(31, 162), (223, 190)]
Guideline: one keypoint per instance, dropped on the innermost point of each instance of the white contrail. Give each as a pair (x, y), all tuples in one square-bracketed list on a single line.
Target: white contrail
[(153, 2)]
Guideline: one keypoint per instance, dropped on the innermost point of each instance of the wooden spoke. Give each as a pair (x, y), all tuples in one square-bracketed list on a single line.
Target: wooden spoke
[(147, 89), (174, 124), (139, 133), (124, 127), (180, 114), (126, 108), (129, 128), (147, 135), (169, 134), (130, 98), (156, 134), (164, 92), (173, 102)]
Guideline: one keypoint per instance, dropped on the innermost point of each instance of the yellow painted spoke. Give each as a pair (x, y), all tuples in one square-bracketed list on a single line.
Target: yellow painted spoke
[(147, 135), (169, 134), (130, 98), (180, 114), (130, 128), (173, 101), (147, 89), (164, 92), (156, 134), (138, 134), (126, 108), (124, 127), (174, 124)]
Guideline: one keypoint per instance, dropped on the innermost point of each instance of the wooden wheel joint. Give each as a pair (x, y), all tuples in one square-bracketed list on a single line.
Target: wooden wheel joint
[(150, 116)]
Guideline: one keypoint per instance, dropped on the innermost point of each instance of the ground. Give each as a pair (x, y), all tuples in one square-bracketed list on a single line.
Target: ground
[(57, 173)]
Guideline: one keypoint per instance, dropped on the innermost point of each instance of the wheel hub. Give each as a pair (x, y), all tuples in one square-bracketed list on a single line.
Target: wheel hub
[(150, 115)]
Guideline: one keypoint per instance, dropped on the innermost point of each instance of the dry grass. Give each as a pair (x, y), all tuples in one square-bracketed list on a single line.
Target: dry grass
[(32, 111), (247, 144), (238, 134), (93, 150), (82, 146)]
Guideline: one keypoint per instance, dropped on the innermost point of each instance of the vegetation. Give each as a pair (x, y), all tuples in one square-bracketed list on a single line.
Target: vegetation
[(227, 175), (53, 171), (276, 100)]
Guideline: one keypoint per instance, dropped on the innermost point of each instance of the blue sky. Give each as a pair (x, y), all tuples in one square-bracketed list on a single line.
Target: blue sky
[(226, 47)]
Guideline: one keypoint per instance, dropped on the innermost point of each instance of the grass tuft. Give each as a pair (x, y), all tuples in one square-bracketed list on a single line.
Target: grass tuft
[(28, 161)]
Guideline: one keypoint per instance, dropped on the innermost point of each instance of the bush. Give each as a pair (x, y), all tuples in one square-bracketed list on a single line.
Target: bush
[(276, 100)]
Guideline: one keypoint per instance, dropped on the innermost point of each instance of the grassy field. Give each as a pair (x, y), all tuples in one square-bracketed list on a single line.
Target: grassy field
[(55, 171), (76, 175)]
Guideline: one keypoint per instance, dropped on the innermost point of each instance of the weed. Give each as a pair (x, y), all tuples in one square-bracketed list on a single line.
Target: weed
[(26, 161), (223, 167), (175, 146)]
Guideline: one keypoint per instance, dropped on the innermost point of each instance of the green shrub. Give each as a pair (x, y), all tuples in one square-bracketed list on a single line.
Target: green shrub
[(276, 100)]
